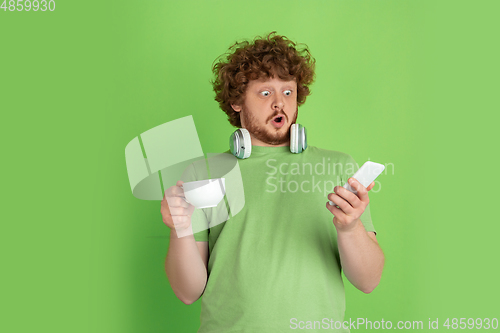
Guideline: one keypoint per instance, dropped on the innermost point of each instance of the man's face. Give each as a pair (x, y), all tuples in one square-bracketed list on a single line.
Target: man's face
[(264, 100)]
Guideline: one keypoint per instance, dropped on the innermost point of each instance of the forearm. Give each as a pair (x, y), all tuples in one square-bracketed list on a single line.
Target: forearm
[(185, 268), (361, 257)]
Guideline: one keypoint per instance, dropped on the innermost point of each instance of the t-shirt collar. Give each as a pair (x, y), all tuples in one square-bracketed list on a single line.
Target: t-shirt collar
[(260, 150)]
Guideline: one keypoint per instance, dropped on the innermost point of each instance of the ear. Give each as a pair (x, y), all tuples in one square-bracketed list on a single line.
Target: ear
[(236, 108)]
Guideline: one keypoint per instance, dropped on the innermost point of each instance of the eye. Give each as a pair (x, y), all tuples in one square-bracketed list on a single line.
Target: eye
[(265, 93), (288, 92)]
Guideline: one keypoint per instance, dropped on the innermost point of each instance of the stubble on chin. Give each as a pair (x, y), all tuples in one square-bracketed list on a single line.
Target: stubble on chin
[(266, 133)]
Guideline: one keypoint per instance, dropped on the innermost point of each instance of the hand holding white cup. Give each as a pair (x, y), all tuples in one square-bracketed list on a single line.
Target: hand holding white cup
[(176, 212), (205, 193)]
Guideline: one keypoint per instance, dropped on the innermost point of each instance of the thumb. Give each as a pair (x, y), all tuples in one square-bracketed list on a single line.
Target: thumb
[(370, 186)]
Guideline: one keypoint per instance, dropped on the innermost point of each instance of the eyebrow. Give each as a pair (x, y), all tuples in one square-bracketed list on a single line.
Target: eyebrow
[(264, 86)]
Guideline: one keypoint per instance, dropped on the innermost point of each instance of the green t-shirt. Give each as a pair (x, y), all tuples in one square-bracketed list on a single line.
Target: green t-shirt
[(276, 262)]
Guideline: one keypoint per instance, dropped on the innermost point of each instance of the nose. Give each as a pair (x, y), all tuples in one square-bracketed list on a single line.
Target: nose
[(278, 103)]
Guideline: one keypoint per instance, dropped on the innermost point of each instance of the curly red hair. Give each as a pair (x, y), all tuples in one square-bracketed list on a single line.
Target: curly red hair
[(263, 58)]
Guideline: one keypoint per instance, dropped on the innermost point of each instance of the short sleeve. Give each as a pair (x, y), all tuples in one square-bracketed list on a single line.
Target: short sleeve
[(199, 220), (350, 169)]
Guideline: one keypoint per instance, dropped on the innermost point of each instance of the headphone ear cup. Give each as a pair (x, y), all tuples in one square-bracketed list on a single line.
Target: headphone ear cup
[(240, 143), (293, 139), (247, 143), (234, 144), (301, 139), (298, 138)]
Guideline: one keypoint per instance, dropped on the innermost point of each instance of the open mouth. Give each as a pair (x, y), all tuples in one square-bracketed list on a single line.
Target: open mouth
[(278, 121)]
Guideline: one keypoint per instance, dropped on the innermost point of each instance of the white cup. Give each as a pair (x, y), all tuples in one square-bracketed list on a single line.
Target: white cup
[(205, 193)]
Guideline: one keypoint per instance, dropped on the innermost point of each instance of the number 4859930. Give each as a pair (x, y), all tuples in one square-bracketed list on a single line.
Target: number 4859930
[(470, 323), (27, 5)]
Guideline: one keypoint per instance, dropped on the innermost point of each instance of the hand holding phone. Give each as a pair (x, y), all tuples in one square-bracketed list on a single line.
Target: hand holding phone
[(365, 175)]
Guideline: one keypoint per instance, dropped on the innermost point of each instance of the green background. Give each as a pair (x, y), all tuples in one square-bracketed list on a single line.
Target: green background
[(412, 83)]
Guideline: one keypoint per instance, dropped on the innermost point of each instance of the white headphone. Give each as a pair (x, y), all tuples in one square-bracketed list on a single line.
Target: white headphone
[(241, 144)]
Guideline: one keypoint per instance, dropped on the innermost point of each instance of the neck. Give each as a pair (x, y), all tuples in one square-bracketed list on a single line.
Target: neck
[(257, 142)]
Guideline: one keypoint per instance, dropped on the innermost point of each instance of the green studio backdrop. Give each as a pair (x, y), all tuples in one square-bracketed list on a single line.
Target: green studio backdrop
[(410, 83)]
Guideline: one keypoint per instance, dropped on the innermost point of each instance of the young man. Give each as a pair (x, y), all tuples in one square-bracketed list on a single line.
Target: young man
[(276, 265)]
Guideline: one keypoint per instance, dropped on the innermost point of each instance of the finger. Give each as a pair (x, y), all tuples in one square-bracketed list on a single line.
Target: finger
[(165, 210), (350, 197), (169, 192), (167, 219), (174, 191), (344, 205), (177, 202), (335, 211), (362, 192), (180, 220), (180, 211)]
